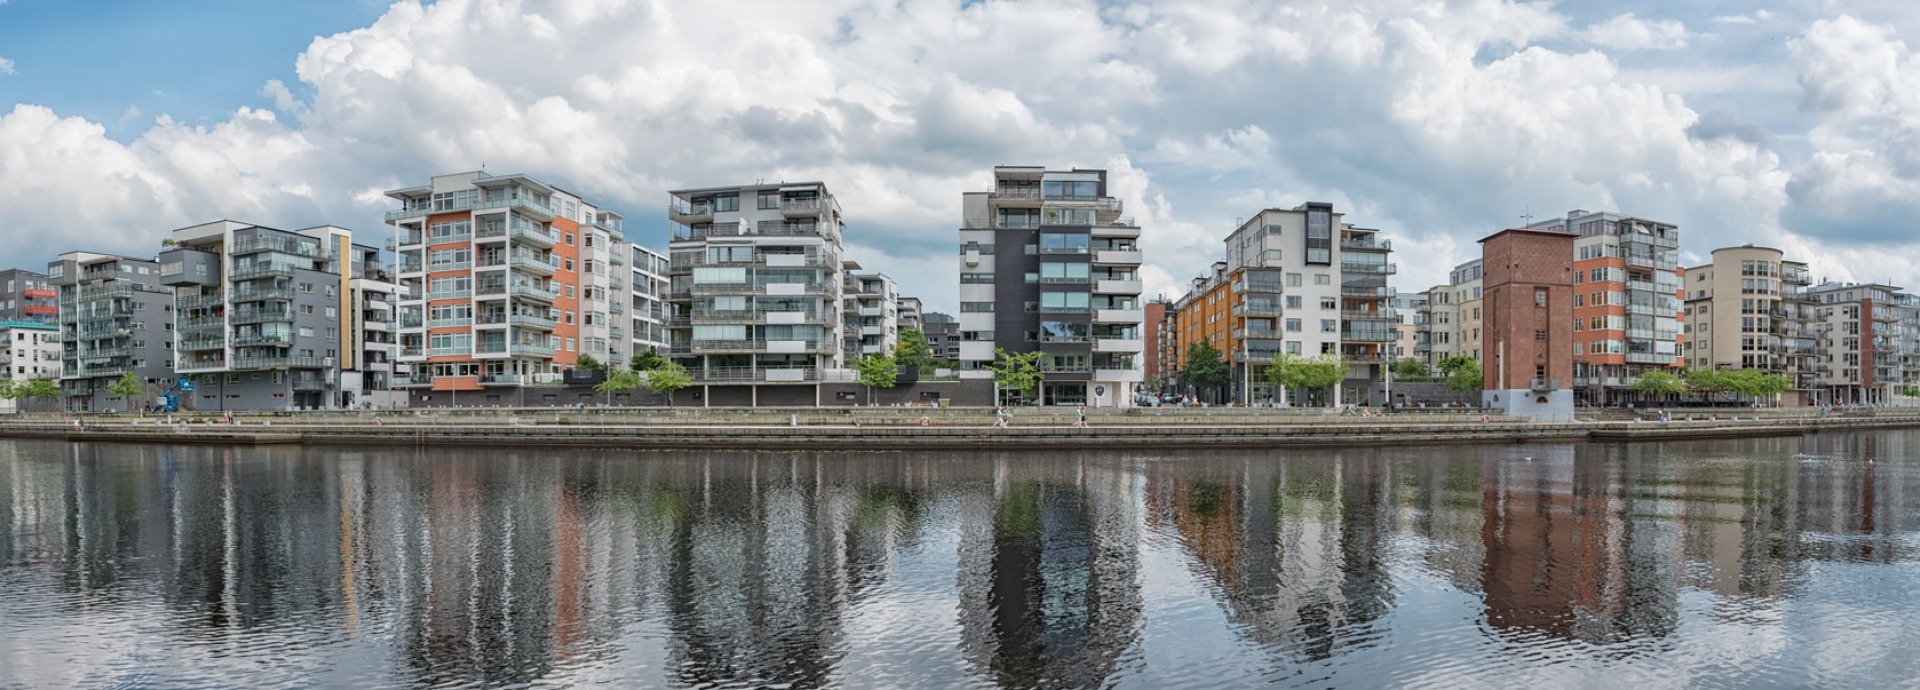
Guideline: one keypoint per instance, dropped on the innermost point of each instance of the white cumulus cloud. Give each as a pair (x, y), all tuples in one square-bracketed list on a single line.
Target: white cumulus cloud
[(1627, 32)]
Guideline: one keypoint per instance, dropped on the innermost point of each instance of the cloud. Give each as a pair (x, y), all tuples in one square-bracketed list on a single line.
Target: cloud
[(1747, 19), (1627, 32), (1437, 124), (6, 66)]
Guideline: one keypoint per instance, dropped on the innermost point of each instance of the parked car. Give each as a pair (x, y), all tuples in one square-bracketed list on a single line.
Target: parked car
[(1146, 400)]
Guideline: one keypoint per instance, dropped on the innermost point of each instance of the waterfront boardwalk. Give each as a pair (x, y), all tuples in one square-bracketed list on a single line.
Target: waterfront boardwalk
[(885, 428)]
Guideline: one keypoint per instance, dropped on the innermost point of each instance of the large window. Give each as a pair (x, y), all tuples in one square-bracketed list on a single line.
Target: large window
[(1064, 301), (730, 254), (1061, 272), (1063, 243), (710, 275), (1068, 189), (1063, 332)]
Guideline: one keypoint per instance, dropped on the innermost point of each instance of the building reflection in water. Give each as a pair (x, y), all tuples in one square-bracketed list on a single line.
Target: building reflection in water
[(501, 566)]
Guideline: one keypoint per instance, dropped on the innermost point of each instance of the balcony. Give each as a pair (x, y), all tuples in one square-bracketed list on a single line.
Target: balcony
[(501, 379), (194, 366), (259, 295), (263, 339), (1119, 316), (531, 321), (1369, 244), (532, 264), (260, 316), (312, 248), (687, 212), (1354, 291), (450, 294), (533, 235), (198, 301), (752, 346), (802, 207), (530, 350), (255, 363), (1119, 345), (450, 322), (199, 344), (1370, 269), (534, 292), (445, 266), (1117, 256), (1117, 287), (268, 269)]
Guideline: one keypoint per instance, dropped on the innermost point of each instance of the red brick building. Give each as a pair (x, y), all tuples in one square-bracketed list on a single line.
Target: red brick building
[(1527, 332)]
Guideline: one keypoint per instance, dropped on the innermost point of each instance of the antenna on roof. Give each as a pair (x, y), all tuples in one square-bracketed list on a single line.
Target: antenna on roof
[(1526, 215)]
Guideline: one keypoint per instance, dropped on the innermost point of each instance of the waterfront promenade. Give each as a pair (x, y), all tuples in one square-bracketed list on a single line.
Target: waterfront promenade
[(886, 428)]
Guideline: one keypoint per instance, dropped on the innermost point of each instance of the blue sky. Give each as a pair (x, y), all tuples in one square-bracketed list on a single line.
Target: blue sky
[(195, 61), (1794, 124)]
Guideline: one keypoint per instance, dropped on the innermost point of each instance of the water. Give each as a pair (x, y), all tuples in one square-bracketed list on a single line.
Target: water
[(1736, 564)]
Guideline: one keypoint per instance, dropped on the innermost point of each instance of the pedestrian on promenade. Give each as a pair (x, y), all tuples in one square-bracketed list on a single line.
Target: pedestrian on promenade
[(1000, 420), (1080, 420)]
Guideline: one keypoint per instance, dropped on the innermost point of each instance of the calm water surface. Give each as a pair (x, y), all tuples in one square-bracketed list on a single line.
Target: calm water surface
[(1755, 563)]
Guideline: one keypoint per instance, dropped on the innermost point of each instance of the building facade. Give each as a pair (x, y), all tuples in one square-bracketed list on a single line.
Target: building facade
[(29, 349), (1153, 375), (756, 289), (115, 319), (1749, 309), (1869, 343), (943, 336), (1627, 300), (28, 296), (645, 307), (1049, 264), (1528, 309), (507, 282), (870, 313)]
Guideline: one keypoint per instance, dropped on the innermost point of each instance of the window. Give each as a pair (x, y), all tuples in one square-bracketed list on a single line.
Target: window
[(1063, 243), (1329, 303), (976, 307), (1064, 301), (1329, 325), (1293, 301), (1322, 279), (1059, 272), (976, 278), (1539, 297), (1539, 335), (1293, 325)]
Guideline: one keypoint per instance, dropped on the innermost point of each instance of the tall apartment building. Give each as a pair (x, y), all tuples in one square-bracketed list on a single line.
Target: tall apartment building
[(1407, 308), (1869, 342), (1749, 309), (1626, 297), (507, 282), (267, 318), (1468, 284), (1528, 303), (370, 364), (646, 305), (756, 289), (870, 313), (29, 349), (28, 296), (115, 318), (1048, 264), (1299, 281), (1151, 348)]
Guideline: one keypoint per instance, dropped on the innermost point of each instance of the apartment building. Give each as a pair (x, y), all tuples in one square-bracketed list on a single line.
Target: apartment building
[(943, 335), (912, 315), (1528, 308), (1869, 342), (115, 318), (507, 281), (369, 364), (1406, 309), (1295, 280), (1152, 324), (1468, 282), (1049, 264), (1627, 300), (263, 318), (1439, 325), (870, 313), (28, 296), (645, 307), (29, 349), (1749, 309), (756, 288)]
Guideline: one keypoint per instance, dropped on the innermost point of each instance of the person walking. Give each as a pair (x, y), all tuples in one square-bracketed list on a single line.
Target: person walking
[(999, 418), (1080, 421)]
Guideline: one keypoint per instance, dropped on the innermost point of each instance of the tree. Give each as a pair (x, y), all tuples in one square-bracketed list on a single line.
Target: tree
[(877, 371), (131, 387), (31, 389), (913, 350), (1748, 382), (1462, 373), (619, 380), (1205, 367), (1411, 368), (667, 378), (1911, 391), (648, 361), (1017, 372), (1290, 371), (588, 363), (1659, 383)]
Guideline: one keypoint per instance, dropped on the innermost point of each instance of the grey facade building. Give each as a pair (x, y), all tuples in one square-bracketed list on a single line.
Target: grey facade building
[(115, 318), (755, 283), (28, 350), (870, 312), (260, 315), (1048, 264), (943, 335), (28, 296), (646, 306)]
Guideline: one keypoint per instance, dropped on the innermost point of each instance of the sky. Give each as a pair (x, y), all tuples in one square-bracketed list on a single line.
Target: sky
[(1794, 125)]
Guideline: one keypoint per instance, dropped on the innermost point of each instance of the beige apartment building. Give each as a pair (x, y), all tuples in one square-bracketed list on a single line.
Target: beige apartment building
[(1749, 309)]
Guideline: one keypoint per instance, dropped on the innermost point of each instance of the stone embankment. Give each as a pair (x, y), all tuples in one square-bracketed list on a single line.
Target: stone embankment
[(909, 428)]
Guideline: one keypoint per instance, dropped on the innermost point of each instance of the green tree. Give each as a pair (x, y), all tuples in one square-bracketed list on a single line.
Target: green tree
[(668, 378), (588, 363), (1462, 373), (877, 371), (648, 361), (1410, 368), (1659, 383), (131, 387), (1017, 372), (32, 389), (1911, 391), (1290, 371), (913, 350), (1205, 367), (618, 381), (1737, 382)]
